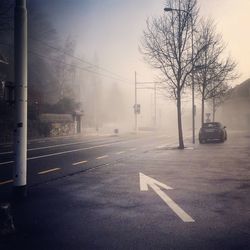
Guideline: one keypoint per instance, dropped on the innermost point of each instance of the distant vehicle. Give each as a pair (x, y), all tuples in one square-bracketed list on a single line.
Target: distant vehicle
[(212, 131)]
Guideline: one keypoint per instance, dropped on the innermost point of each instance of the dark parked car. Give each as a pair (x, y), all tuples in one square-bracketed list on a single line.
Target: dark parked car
[(212, 131)]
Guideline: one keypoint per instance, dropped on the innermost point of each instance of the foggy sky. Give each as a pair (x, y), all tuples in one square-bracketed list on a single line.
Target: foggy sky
[(112, 29)]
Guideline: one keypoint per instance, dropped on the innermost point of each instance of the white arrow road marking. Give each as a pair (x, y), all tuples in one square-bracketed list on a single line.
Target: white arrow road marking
[(146, 181)]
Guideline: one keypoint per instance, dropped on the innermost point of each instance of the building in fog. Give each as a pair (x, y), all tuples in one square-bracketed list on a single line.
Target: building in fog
[(235, 111)]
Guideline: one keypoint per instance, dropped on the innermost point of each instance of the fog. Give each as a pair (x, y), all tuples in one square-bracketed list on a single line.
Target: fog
[(108, 33), (106, 36)]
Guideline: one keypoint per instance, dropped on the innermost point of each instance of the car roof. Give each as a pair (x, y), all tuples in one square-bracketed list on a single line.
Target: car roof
[(206, 124)]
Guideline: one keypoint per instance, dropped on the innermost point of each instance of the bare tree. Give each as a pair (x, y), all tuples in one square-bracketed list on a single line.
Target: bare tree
[(6, 15), (223, 94), (167, 47), (66, 68), (214, 70)]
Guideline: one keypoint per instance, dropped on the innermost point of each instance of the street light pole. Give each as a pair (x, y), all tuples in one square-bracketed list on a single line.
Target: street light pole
[(192, 73), (135, 106), (155, 105), (192, 78), (20, 35)]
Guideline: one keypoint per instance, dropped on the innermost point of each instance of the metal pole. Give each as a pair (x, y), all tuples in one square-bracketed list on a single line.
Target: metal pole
[(213, 109), (193, 105), (135, 107), (20, 36), (155, 105)]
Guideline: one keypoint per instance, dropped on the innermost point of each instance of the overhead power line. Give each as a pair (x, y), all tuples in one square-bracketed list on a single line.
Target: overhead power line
[(75, 66), (79, 59)]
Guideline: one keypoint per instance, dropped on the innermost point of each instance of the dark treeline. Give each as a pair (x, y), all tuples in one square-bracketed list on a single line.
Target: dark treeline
[(49, 70)]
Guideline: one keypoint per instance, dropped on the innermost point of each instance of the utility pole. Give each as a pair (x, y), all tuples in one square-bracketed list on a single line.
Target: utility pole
[(155, 105), (20, 36), (135, 107), (213, 109), (192, 79), (143, 87)]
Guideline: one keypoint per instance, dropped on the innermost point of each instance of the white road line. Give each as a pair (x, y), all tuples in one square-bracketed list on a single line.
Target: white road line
[(121, 152), (6, 153), (47, 147), (101, 157), (80, 162), (65, 152), (56, 146), (169, 143), (68, 151), (6, 162), (48, 171), (161, 146), (6, 182), (161, 136)]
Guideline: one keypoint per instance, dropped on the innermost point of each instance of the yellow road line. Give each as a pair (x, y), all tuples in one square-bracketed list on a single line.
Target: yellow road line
[(6, 162), (121, 152), (101, 157), (48, 171), (6, 182), (80, 162)]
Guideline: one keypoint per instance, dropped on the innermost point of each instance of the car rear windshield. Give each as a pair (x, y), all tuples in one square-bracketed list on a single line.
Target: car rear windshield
[(211, 125)]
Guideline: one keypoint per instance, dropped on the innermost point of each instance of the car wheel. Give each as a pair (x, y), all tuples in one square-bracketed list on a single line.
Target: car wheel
[(202, 141), (222, 139)]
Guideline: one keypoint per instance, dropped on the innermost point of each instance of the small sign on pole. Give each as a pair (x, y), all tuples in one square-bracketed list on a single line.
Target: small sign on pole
[(137, 108)]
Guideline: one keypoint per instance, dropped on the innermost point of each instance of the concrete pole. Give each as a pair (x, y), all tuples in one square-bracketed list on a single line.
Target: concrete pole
[(155, 105), (20, 36), (192, 76), (213, 109), (135, 107)]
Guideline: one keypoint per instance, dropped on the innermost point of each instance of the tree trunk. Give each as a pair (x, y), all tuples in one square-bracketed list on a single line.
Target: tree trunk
[(213, 109), (202, 110), (181, 143)]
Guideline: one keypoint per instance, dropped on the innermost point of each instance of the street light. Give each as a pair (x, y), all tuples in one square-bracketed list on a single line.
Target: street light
[(192, 57)]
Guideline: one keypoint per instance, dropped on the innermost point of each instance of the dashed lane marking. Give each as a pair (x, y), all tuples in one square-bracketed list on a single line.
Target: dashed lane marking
[(79, 162), (121, 152), (132, 149), (6, 153), (49, 170), (6, 182), (6, 162), (101, 157)]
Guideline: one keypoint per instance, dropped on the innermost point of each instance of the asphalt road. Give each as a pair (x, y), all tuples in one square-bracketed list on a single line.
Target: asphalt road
[(86, 193), (57, 157)]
